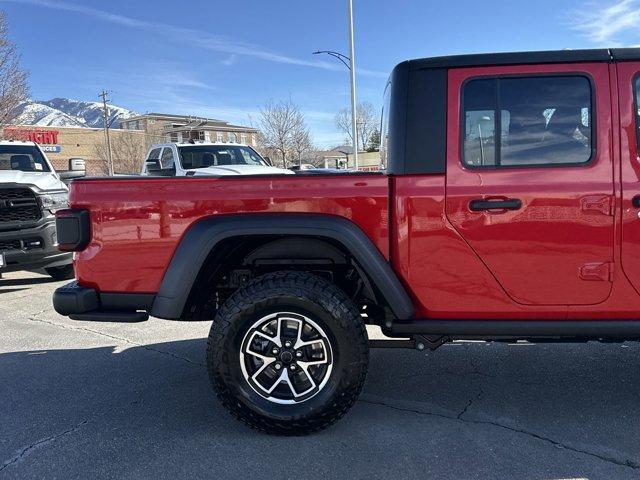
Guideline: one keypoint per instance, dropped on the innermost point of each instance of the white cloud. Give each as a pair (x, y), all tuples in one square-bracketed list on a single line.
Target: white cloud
[(192, 37), (606, 25), (230, 60)]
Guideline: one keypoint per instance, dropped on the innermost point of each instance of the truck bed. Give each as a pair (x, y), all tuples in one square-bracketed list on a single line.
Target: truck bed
[(138, 222)]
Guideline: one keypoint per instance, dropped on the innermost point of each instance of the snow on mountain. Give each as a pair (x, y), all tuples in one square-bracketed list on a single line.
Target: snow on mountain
[(31, 113), (64, 112)]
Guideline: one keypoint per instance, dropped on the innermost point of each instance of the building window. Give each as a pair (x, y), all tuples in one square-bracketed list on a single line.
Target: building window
[(233, 138), (254, 140), (243, 138), (207, 136), (219, 138), (527, 121)]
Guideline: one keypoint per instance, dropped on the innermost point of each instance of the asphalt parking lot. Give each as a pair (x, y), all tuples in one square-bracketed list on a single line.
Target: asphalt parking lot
[(91, 400)]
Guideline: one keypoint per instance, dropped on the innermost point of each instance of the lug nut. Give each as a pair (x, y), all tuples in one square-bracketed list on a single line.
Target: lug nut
[(278, 366), (274, 351), (287, 344), (298, 354), (292, 367)]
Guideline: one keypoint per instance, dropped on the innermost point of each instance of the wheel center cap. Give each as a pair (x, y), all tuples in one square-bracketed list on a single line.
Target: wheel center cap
[(286, 357)]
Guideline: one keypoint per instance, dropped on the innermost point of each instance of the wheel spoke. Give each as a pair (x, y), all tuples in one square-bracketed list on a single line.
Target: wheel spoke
[(305, 369), (275, 339), (268, 361)]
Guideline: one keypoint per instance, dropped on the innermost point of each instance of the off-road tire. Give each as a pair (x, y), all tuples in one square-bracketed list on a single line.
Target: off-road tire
[(302, 293), (61, 273)]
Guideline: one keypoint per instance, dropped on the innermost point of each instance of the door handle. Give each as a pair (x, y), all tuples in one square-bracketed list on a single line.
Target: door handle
[(508, 204), (636, 201)]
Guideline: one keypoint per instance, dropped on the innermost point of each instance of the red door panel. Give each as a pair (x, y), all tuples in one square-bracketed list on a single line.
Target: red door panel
[(556, 248), (628, 73)]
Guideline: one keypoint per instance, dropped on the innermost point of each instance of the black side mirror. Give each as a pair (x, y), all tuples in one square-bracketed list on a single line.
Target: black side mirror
[(154, 167), (268, 160), (77, 169)]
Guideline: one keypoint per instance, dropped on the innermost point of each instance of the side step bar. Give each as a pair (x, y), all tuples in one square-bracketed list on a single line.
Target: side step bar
[(487, 329), (111, 316)]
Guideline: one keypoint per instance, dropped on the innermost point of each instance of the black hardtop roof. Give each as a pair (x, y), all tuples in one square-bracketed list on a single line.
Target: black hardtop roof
[(522, 58)]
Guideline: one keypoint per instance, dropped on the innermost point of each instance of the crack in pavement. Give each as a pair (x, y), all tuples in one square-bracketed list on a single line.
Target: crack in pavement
[(468, 405), (603, 457), (26, 451), (113, 337)]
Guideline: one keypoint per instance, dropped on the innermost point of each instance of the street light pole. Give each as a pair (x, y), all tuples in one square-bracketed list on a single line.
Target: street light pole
[(352, 62)]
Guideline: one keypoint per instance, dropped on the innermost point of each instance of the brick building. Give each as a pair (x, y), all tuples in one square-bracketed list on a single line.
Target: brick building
[(181, 128)]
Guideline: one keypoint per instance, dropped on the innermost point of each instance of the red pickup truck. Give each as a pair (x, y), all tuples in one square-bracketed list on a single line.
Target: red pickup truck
[(509, 210)]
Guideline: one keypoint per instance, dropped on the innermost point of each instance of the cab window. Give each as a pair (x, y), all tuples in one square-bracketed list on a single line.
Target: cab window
[(154, 154), (167, 158), (527, 121)]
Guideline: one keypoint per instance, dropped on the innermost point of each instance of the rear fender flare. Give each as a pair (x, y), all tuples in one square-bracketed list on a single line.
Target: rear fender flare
[(202, 237)]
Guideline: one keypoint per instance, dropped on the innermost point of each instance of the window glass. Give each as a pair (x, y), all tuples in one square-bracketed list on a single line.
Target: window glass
[(203, 156), (543, 121), (167, 158), (384, 128), (233, 138), (154, 154), (22, 157)]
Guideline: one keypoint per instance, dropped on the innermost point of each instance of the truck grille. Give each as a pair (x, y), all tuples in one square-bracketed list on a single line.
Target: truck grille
[(18, 205), (10, 245)]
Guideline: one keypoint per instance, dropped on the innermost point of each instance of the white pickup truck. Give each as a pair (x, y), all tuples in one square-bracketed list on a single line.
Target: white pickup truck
[(30, 193), (195, 159)]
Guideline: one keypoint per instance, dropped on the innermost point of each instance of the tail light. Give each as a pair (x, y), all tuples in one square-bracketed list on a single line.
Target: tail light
[(73, 229)]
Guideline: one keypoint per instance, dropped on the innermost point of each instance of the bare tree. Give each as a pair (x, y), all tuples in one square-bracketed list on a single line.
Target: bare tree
[(13, 80), (128, 150), (301, 145), (281, 124), (365, 118)]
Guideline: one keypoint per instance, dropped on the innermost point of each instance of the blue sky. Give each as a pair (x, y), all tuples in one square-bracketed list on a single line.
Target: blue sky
[(224, 59)]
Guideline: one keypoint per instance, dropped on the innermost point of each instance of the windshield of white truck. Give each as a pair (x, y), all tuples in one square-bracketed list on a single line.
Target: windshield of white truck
[(25, 158), (203, 156)]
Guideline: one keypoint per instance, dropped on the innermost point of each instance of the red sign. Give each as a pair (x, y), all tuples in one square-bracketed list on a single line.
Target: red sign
[(43, 137)]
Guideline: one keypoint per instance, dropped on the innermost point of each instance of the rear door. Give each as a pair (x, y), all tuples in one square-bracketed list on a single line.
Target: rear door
[(530, 178)]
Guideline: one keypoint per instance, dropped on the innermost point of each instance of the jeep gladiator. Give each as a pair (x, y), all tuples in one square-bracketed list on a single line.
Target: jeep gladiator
[(509, 210)]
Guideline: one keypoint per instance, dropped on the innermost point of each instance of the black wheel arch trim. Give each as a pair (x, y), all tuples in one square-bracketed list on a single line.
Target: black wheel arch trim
[(203, 236)]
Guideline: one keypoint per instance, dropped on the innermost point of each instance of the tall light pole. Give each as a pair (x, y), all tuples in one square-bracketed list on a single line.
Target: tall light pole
[(352, 69)]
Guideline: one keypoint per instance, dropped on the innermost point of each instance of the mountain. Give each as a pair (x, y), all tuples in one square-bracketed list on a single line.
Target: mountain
[(64, 112), (33, 113)]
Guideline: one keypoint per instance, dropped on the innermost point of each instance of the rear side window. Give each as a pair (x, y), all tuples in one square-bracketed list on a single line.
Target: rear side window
[(154, 154), (527, 121), (167, 158)]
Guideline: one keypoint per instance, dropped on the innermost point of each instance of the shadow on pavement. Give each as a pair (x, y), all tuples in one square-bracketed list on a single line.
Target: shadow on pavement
[(10, 290), (11, 282), (497, 411)]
